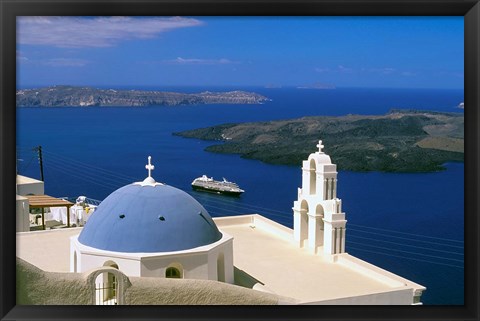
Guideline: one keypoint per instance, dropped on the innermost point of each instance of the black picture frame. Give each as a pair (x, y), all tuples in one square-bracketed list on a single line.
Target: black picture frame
[(10, 9)]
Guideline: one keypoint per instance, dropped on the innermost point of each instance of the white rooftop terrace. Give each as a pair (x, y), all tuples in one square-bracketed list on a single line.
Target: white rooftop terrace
[(27, 180), (265, 250), (29, 186)]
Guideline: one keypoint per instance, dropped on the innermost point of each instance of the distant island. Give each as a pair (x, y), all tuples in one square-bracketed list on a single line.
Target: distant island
[(317, 86), (400, 141), (71, 96)]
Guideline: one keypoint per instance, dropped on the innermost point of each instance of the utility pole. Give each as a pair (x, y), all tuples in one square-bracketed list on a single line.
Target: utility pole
[(40, 161)]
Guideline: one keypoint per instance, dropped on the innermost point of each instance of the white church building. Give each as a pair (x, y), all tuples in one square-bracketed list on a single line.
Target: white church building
[(150, 229), (154, 230)]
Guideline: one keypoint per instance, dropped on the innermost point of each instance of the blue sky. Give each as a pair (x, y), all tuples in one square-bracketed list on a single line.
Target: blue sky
[(394, 52)]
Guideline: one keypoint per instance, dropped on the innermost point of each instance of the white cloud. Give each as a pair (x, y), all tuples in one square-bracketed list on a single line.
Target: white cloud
[(454, 74), (65, 62), (197, 61), (77, 32), (340, 69), (383, 71), (344, 70), (323, 70), (21, 57)]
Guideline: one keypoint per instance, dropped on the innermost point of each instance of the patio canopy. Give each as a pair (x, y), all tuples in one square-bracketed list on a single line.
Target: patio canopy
[(42, 201)]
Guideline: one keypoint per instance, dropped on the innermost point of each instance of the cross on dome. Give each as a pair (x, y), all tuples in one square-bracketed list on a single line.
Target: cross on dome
[(149, 181), (149, 166), (320, 146)]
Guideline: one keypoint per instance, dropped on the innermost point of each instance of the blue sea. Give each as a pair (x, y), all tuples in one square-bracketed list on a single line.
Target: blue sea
[(410, 224)]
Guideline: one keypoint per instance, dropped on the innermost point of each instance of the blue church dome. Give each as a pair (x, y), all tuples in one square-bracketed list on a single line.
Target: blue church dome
[(149, 217)]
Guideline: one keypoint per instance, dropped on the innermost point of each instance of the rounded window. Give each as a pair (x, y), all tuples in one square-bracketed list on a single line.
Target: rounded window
[(173, 272)]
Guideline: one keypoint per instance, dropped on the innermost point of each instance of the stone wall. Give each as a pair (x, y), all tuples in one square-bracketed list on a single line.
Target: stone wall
[(37, 287), (184, 291)]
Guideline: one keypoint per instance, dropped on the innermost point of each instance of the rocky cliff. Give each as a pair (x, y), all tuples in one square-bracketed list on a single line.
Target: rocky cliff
[(69, 96)]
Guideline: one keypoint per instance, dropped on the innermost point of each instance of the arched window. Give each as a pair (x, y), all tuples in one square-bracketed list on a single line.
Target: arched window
[(173, 272), (319, 212), (106, 286), (111, 264), (303, 223), (109, 286)]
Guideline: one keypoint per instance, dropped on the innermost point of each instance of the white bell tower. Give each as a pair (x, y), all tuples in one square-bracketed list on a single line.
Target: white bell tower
[(318, 221)]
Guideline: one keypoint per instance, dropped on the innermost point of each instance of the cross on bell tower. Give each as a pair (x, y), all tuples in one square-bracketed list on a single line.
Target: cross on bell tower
[(320, 146)]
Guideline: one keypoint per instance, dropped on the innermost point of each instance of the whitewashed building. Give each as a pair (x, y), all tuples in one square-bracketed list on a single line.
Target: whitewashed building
[(150, 229), (25, 186), (154, 230)]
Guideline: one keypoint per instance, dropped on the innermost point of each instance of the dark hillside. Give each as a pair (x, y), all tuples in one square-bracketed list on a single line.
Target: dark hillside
[(401, 141)]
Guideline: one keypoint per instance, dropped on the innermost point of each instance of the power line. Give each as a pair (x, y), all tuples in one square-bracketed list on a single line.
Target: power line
[(408, 252), (405, 257), (105, 185), (226, 210), (84, 178), (70, 167), (57, 159), (242, 204), (111, 182), (283, 215), (404, 238), (386, 230), (223, 209), (23, 149), (242, 209), (90, 167), (116, 179), (24, 168), (402, 244)]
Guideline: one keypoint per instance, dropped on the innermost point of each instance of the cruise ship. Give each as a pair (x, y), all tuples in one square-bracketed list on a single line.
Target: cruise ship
[(208, 184)]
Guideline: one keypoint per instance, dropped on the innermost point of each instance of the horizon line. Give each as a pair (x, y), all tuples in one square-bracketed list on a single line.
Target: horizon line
[(138, 87)]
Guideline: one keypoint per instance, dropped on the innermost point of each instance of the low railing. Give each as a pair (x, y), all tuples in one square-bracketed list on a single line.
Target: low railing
[(106, 293), (87, 200)]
